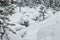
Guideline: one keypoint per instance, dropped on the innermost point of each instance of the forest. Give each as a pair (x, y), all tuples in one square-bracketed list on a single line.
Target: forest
[(16, 15)]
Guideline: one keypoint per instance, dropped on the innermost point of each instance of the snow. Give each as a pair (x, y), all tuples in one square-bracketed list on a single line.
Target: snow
[(50, 32), (35, 29), (21, 16)]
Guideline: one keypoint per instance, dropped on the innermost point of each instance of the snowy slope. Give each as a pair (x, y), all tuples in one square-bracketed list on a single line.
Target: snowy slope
[(31, 32), (35, 28)]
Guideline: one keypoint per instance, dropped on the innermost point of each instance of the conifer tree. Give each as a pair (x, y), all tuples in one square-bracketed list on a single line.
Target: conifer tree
[(5, 10)]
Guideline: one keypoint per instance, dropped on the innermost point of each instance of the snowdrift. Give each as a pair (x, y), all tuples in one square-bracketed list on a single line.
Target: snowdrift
[(36, 30)]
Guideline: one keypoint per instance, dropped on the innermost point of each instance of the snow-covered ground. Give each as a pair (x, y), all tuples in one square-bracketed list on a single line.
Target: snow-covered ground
[(37, 30), (52, 23)]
